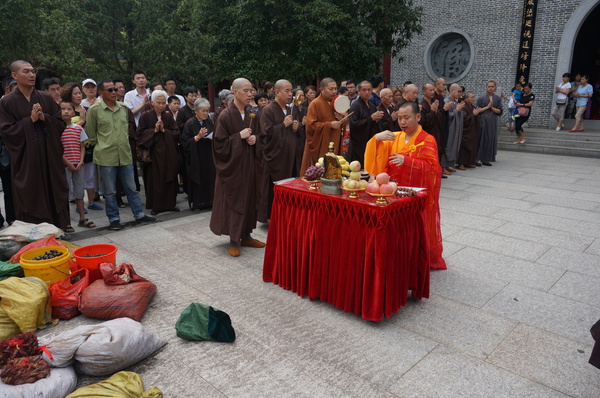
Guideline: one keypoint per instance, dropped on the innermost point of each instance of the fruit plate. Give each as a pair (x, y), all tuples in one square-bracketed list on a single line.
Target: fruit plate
[(314, 184), (381, 198), (353, 193)]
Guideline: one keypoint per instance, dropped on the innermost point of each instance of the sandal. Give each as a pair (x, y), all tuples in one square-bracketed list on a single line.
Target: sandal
[(85, 223), (69, 229)]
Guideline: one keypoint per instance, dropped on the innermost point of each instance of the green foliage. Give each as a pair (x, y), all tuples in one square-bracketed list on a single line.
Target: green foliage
[(197, 41)]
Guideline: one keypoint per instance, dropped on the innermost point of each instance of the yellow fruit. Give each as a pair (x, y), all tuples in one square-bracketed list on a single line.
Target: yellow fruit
[(355, 175), (346, 173)]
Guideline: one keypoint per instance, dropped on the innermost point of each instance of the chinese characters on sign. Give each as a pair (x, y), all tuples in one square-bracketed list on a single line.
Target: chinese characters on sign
[(526, 40)]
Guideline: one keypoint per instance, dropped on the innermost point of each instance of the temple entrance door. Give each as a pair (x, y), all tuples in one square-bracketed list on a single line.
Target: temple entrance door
[(586, 58)]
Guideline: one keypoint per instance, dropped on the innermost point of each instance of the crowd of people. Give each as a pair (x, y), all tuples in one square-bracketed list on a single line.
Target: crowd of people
[(70, 139)]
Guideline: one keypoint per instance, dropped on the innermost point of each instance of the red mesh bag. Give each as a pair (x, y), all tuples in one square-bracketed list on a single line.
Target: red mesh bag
[(65, 294), (20, 345), (102, 301), (121, 275), (24, 370)]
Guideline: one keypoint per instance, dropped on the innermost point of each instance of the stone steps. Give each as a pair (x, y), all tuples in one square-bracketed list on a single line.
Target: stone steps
[(586, 144)]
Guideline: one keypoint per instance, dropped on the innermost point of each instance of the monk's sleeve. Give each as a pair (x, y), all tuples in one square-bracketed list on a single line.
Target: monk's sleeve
[(13, 130), (170, 126), (131, 129), (53, 120), (377, 156), (420, 165), (315, 129), (272, 133), (145, 132), (498, 104)]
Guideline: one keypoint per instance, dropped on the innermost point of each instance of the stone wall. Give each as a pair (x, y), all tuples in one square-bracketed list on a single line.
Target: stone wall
[(494, 28)]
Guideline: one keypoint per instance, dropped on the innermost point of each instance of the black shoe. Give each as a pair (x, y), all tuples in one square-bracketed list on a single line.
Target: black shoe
[(444, 176), (65, 236), (154, 212), (116, 226), (486, 163), (478, 163), (147, 219)]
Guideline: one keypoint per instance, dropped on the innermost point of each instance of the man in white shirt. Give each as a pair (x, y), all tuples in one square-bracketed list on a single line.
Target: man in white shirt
[(137, 98), (170, 86)]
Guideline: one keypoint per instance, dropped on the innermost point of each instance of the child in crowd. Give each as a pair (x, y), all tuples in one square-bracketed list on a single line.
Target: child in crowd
[(517, 93), (74, 150), (174, 105)]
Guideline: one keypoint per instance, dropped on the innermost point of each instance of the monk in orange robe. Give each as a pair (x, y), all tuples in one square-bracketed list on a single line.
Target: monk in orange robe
[(322, 126), (410, 157)]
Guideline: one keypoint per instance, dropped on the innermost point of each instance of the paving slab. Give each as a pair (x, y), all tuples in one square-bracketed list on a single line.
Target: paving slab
[(549, 359)]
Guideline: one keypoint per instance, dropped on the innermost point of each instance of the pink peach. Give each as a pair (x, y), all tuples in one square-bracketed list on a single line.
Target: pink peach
[(373, 187), (382, 178), (386, 189)]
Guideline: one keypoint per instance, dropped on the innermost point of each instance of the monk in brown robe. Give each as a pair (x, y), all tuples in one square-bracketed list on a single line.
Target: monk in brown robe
[(31, 127), (322, 126), (410, 93), (432, 119), (389, 121), (467, 155), (157, 131), (363, 122), (234, 204), (278, 139)]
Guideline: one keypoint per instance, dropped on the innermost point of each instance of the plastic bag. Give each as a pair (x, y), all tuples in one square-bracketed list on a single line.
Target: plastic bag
[(119, 385), (51, 241), (61, 382), (103, 349), (8, 269), (65, 294), (121, 275), (21, 231), (24, 302)]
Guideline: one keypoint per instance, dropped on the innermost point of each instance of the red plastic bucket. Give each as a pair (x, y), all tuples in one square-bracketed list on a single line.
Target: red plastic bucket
[(97, 254)]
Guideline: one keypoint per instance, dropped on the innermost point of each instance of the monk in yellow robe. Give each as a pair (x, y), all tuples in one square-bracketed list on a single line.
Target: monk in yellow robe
[(322, 126), (410, 157)]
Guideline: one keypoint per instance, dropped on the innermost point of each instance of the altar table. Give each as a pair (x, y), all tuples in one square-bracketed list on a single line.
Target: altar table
[(357, 255)]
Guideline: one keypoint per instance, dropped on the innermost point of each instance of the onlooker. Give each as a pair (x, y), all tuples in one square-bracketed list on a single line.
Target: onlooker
[(562, 98), (352, 93), (582, 94), (310, 93), (169, 86), (72, 140), (261, 100), (109, 124), (396, 96), (571, 108), (223, 98), (31, 126), (174, 104), (299, 113), (377, 83), (157, 131), (186, 111), (526, 103), (120, 86), (52, 87), (137, 98), (90, 91)]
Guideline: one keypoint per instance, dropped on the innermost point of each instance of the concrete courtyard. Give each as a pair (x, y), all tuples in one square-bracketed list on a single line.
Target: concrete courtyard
[(509, 318)]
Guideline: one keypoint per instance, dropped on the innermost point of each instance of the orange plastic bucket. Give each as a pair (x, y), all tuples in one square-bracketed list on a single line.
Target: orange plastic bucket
[(90, 257), (52, 270)]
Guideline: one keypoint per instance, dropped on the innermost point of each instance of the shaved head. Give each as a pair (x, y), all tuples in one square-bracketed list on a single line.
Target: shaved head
[(411, 92), (411, 87), (279, 84), (239, 82), (454, 86), (17, 65), (326, 81), (385, 91), (362, 84)]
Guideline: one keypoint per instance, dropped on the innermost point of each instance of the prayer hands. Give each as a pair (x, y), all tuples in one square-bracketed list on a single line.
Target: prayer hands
[(394, 115), (460, 106), (245, 133), (476, 111), (159, 126), (386, 135), (288, 120), (202, 133), (304, 121), (397, 159), (490, 104), (435, 105), (377, 116), (448, 106), (295, 125), (251, 140), (36, 113)]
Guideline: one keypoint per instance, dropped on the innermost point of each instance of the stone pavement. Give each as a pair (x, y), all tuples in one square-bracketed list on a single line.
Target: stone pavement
[(509, 318)]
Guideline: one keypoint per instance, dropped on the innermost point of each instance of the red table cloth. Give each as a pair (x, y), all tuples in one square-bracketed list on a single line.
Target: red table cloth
[(352, 253)]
